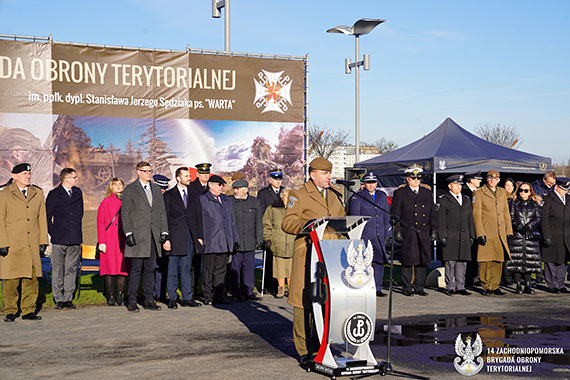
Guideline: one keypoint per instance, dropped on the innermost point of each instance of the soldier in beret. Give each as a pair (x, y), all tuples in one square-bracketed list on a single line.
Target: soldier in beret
[(23, 238), (492, 221), (413, 204), (315, 199), (456, 234)]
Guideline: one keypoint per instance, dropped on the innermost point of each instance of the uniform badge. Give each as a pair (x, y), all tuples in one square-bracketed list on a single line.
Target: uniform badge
[(360, 270), (292, 201), (465, 362)]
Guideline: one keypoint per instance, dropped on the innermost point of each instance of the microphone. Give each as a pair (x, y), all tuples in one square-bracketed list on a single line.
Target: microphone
[(344, 183)]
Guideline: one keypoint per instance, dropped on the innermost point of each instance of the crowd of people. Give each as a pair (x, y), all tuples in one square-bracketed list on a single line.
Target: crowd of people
[(166, 239)]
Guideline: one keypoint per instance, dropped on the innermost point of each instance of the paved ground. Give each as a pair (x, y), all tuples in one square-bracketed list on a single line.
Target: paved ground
[(252, 340)]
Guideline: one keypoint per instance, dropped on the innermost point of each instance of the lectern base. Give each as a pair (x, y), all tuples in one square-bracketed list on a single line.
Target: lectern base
[(352, 368)]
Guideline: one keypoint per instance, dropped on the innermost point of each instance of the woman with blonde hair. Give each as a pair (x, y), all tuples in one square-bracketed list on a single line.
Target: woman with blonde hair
[(111, 240), (282, 244)]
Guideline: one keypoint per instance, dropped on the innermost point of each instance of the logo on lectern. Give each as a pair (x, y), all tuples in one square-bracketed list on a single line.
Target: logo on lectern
[(360, 270), (358, 329)]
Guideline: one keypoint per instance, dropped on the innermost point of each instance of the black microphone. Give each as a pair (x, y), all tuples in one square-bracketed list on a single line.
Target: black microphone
[(343, 182)]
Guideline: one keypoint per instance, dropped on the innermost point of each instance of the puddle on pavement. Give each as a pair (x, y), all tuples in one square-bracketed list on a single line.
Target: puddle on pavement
[(497, 332)]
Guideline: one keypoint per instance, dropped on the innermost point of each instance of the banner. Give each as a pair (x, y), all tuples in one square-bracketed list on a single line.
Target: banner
[(101, 110)]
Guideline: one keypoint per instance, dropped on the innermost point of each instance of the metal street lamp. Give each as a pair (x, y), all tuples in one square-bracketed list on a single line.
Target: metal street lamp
[(360, 27), (216, 6)]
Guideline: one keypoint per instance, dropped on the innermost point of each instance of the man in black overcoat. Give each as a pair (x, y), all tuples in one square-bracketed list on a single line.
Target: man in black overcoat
[(472, 181), (184, 215), (456, 234), (413, 204), (556, 234)]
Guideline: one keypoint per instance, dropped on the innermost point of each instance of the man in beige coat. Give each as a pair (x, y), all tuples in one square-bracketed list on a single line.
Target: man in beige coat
[(492, 221), (23, 234), (315, 199)]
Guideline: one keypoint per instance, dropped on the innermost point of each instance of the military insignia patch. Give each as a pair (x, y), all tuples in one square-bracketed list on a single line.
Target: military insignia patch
[(292, 201)]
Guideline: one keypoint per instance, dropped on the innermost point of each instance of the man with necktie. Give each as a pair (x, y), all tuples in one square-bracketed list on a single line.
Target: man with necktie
[(64, 207), (144, 221)]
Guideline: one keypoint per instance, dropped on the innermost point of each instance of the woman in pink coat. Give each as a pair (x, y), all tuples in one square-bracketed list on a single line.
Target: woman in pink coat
[(111, 240)]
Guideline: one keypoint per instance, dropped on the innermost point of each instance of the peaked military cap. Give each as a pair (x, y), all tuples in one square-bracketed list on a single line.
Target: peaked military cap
[(369, 178), (161, 180), (456, 178), (23, 167), (474, 175), (276, 173), (563, 183), (493, 173), (204, 168), (321, 163), (414, 171)]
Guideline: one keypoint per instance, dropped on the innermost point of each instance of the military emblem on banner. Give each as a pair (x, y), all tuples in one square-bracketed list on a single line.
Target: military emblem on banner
[(272, 91), (360, 270), (468, 351)]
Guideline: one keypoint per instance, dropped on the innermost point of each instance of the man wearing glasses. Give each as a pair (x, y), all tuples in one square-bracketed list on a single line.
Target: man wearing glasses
[(144, 221), (64, 207), (492, 221), (413, 204)]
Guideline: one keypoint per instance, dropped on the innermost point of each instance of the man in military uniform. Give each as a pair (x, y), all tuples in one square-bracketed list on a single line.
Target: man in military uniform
[(267, 196), (23, 238), (315, 199), (492, 221), (413, 204)]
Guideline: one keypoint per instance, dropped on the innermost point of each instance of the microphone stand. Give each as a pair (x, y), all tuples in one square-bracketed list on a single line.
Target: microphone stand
[(387, 365)]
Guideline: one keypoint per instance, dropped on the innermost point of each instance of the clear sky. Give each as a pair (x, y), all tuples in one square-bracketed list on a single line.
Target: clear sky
[(478, 62)]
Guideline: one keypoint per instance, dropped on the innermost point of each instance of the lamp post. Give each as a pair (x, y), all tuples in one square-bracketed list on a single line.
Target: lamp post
[(360, 27), (216, 6)]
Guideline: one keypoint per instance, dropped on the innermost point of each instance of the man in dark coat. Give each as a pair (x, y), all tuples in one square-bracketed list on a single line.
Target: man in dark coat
[(456, 234), (376, 229), (544, 185), (556, 234), (472, 181), (161, 269), (64, 208), (247, 212), (220, 239), (146, 230), (413, 204), (185, 231)]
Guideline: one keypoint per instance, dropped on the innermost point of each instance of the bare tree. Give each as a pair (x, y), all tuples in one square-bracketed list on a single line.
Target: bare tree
[(323, 142), (499, 134), (384, 145)]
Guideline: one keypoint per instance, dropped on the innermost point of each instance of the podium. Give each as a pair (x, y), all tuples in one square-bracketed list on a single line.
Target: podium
[(343, 295)]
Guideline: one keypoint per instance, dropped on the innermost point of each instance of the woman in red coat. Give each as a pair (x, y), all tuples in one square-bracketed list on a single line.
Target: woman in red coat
[(111, 240)]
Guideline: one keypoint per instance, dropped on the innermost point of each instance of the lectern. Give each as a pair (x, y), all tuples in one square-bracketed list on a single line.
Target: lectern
[(343, 294)]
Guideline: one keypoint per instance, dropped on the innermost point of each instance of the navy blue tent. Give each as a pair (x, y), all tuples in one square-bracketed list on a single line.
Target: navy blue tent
[(451, 149)]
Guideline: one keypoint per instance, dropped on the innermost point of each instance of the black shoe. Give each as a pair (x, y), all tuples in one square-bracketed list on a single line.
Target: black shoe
[(190, 303), (151, 306), (564, 290), (59, 305), (498, 292), (528, 290), (407, 292), (305, 360), (253, 297), (31, 317), (380, 293), (119, 299), (448, 292), (463, 292), (68, 305), (10, 318), (207, 302), (518, 290), (238, 298), (486, 292), (172, 304), (111, 300), (554, 291), (421, 293), (133, 307)]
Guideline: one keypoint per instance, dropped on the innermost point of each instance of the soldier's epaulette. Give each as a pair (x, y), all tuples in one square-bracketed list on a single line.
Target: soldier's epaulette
[(402, 185), (425, 186)]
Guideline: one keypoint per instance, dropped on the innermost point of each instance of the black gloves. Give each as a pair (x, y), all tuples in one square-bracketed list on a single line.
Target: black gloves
[(163, 238), (43, 248), (131, 240), (547, 243), (524, 229), (259, 245), (236, 247), (398, 237), (443, 241), (267, 244), (433, 236), (4, 251), (482, 240)]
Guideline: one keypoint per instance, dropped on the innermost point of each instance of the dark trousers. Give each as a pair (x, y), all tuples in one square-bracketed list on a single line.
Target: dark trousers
[(378, 274), (146, 266), (196, 270), (213, 272), (161, 277), (554, 274), (182, 265), (269, 282), (419, 277), (241, 273)]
